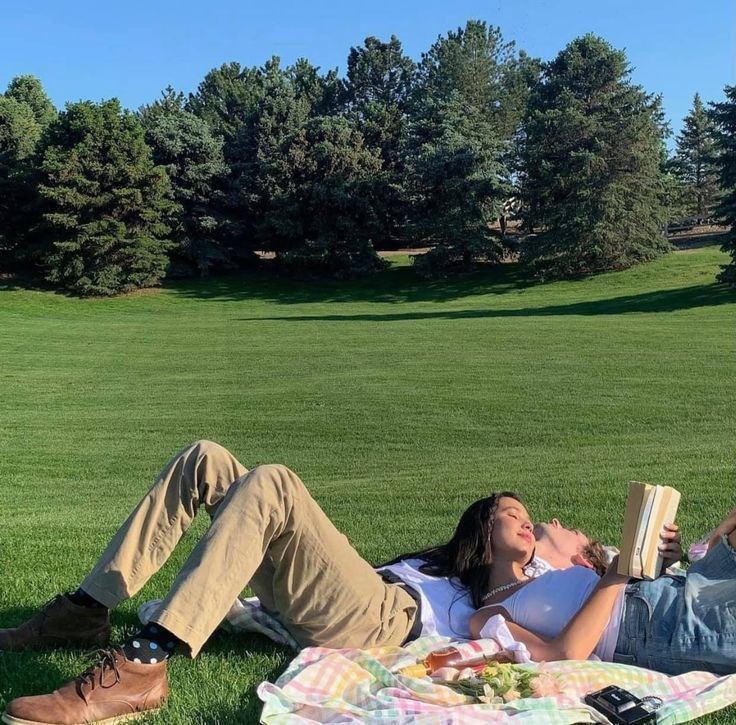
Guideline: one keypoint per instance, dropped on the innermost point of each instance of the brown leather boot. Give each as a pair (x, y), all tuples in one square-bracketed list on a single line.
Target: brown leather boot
[(112, 691), (60, 623)]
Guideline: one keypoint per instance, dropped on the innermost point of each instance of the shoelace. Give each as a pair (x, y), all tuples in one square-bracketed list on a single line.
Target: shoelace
[(107, 660)]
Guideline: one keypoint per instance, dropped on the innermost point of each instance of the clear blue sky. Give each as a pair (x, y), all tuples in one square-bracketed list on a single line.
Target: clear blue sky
[(133, 49)]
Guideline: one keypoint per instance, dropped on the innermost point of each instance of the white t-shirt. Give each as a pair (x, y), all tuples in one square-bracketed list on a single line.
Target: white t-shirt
[(556, 597), (446, 607), (551, 600)]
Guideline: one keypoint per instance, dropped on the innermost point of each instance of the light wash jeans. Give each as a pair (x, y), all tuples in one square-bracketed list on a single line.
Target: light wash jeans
[(675, 624)]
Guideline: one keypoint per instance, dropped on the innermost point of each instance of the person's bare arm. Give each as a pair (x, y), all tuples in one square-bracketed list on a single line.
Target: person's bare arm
[(582, 633)]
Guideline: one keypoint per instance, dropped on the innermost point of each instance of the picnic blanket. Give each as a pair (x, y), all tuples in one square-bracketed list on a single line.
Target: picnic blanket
[(364, 686)]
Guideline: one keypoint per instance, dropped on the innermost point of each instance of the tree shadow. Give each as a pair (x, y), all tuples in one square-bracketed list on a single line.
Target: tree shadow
[(698, 240), (394, 285), (685, 298), (16, 282)]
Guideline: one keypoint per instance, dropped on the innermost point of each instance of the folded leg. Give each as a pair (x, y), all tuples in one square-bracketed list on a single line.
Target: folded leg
[(199, 475), (305, 570)]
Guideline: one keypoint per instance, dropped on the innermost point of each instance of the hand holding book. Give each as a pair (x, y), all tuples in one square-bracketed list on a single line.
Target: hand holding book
[(650, 540), (671, 546)]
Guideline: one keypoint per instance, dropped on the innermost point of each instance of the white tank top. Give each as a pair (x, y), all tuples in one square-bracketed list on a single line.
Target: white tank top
[(446, 606), (547, 603)]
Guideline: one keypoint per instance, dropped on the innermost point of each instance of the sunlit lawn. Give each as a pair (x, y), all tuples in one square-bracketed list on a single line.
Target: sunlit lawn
[(397, 401)]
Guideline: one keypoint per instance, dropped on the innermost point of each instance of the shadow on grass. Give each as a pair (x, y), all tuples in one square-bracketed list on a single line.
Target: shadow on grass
[(395, 285), (228, 646), (39, 672), (698, 241), (685, 298), (26, 673)]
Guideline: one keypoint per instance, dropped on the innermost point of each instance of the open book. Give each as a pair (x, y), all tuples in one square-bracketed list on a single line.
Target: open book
[(648, 509)]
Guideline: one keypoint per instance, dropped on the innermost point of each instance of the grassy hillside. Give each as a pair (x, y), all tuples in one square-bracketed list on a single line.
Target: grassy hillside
[(397, 401)]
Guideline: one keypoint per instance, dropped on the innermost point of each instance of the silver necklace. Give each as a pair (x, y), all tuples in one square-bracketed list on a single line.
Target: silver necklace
[(502, 588)]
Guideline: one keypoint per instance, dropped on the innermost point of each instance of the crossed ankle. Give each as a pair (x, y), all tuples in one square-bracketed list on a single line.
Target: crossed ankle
[(150, 645), (82, 599)]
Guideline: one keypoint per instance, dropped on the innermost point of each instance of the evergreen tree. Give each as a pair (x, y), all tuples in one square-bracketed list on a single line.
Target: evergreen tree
[(378, 90), (331, 201), (264, 169), (458, 143), (695, 161), (25, 111), (107, 205), (226, 98), (476, 65), (724, 118), (305, 181), (460, 175), (19, 135), (184, 145), (323, 93), (592, 181), (676, 197), (28, 89)]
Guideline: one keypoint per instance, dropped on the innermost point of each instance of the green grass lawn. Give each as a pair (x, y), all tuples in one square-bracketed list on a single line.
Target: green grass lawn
[(399, 402)]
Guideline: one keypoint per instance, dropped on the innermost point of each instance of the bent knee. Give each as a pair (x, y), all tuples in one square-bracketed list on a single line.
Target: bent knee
[(204, 446), (274, 476)]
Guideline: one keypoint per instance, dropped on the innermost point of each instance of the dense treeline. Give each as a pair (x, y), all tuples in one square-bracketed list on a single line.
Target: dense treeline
[(321, 170)]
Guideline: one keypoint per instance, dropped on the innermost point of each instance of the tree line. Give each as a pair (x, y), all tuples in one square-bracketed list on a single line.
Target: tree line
[(322, 170)]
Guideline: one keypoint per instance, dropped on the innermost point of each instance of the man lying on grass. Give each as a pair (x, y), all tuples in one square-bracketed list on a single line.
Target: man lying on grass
[(268, 532)]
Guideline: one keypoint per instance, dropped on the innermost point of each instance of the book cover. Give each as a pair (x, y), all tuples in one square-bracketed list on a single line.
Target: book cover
[(648, 509)]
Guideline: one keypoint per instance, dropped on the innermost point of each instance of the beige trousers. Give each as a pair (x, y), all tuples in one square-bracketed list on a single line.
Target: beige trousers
[(266, 531)]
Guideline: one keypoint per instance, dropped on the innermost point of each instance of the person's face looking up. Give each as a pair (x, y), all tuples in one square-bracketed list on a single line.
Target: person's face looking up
[(512, 535), (561, 542)]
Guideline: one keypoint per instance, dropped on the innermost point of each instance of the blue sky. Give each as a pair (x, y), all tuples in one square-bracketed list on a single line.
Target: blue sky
[(132, 50)]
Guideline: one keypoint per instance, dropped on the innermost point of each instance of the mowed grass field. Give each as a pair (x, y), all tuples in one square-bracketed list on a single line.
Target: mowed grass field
[(398, 402)]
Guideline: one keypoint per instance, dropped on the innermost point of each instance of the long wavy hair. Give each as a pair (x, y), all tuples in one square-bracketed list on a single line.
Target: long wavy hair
[(468, 555)]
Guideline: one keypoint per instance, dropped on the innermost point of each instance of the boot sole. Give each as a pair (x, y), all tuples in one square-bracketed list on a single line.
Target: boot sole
[(10, 720)]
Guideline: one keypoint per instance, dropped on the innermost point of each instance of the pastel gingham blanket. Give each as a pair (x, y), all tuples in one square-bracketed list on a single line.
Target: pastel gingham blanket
[(363, 686)]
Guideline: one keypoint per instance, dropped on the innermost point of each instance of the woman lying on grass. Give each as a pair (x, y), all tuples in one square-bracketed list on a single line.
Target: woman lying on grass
[(673, 624), (268, 532)]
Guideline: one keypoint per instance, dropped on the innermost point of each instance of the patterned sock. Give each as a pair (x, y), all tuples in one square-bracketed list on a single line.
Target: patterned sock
[(151, 645), (82, 599)]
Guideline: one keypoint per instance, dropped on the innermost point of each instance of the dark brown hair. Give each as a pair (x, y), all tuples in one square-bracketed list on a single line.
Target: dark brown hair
[(467, 556), (595, 555)]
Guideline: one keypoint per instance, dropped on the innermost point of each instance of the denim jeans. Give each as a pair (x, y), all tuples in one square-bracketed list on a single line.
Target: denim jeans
[(680, 623)]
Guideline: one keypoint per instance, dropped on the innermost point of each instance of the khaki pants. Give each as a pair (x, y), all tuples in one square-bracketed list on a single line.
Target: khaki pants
[(266, 531)]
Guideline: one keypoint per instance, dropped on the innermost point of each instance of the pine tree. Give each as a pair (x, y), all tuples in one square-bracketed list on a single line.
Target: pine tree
[(694, 161), (25, 111), (28, 89), (107, 205), (331, 201), (184, 145), (724, 118), (378, 90), (592, 172), (323, 93), (458, 143), (460, 175), (286, 160), (226, 98), (264, 175)]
